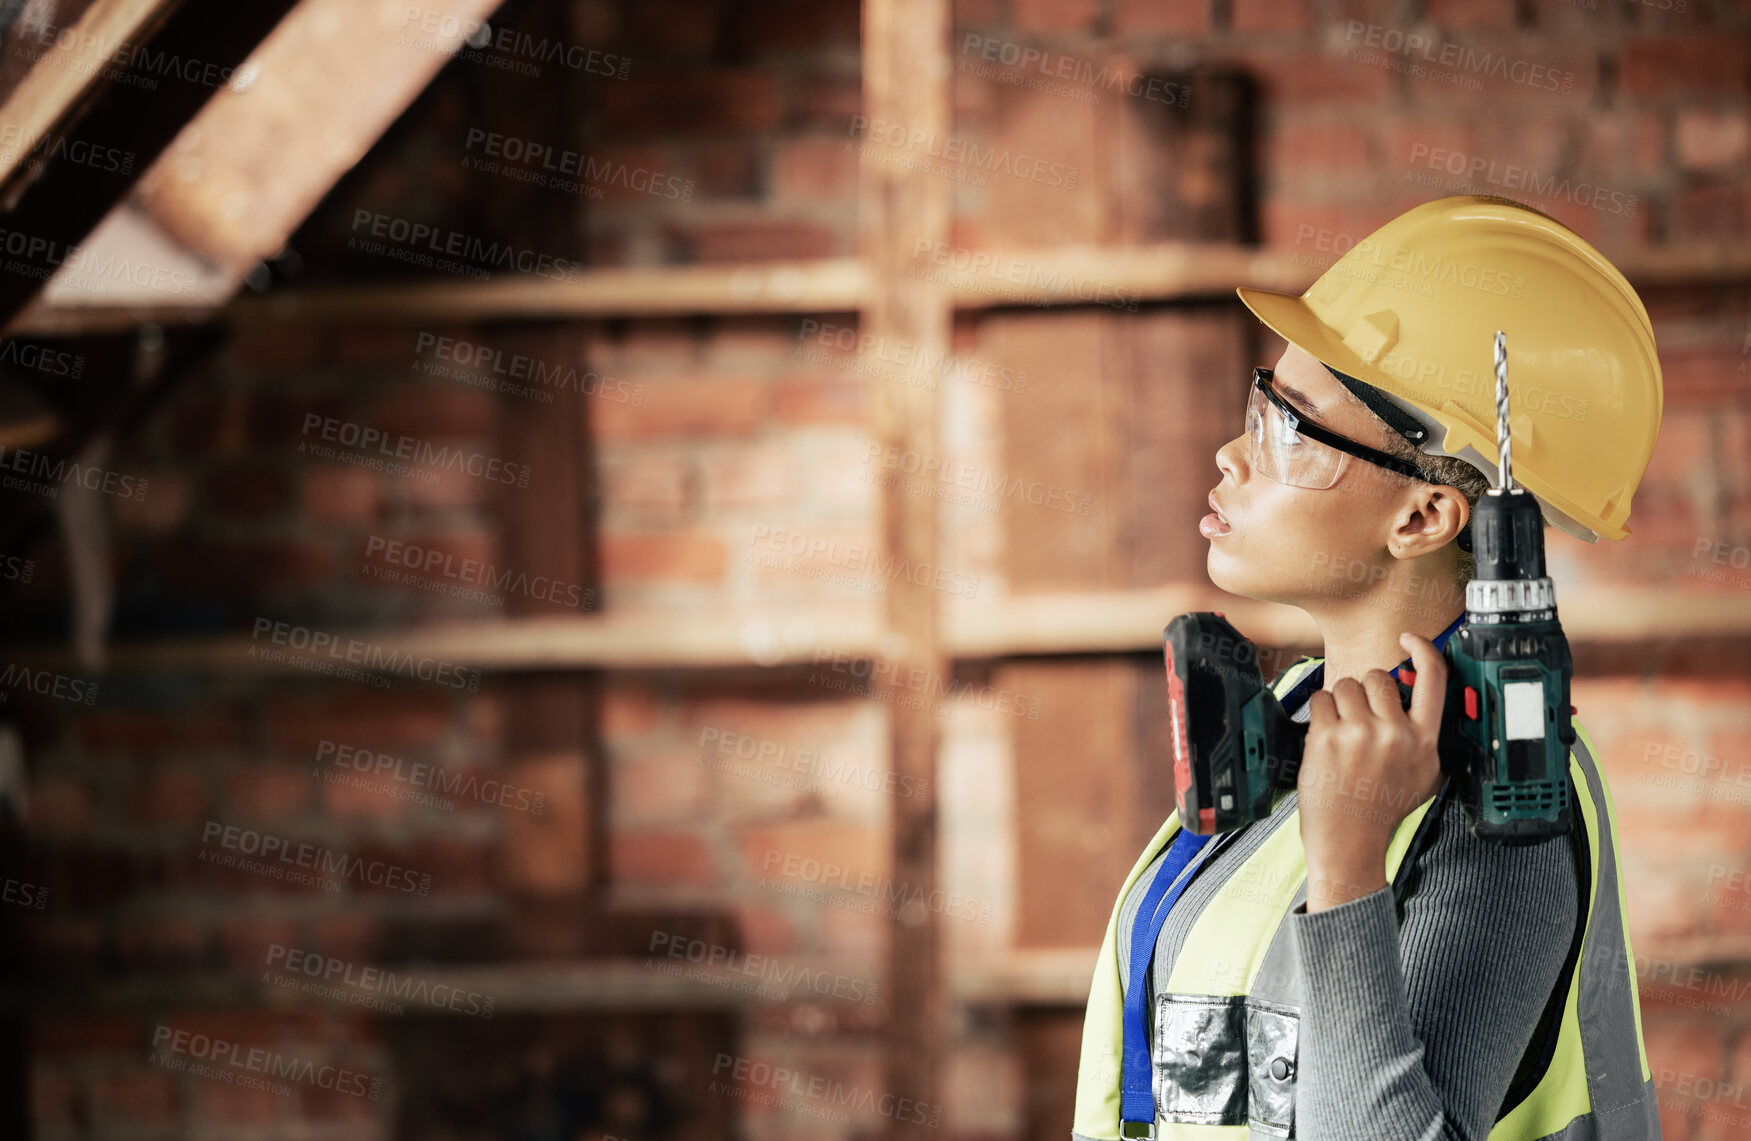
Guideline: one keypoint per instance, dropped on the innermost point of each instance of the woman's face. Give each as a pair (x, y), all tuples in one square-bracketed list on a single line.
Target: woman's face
[(1293, 544)]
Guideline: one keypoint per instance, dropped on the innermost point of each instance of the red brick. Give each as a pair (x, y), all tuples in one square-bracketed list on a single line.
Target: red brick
[(343, 495), (318, 1104), (691, 101), (262, 791), (714, 406), (816, 168), (629, 709), (172, 793), (140, 1097), (1709, 140), (548, 853), (824, 101), (1296, 79), (695, 555), (1684, 450), (1305, 150), (808, 846), (1054, 15), (760, 239), (429, 412), (459, 866), (1680, 1046), (1471, 13), (1270, 15), (1697, 63), (809, 399), (726, 170), (1710, 213), (642, 174), (661, 859), (1706, 376), (204, 567), (360, 796), (223, 1104), (648, 486), (377, 720), (664, 788), (1152, 17), (350, 935), (752, 476), (1631, 143), (183, 730)]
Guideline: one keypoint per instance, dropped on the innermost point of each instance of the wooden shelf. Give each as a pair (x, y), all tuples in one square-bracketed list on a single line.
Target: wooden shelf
[(1064, 275)]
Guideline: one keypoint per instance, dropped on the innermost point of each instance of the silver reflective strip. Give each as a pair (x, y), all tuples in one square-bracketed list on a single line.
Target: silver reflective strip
[(1200, 1059), (1623, 1105), (1639, 1118)]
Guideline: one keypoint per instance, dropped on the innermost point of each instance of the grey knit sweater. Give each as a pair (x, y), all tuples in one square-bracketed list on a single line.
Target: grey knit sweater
[(1408, 1031)]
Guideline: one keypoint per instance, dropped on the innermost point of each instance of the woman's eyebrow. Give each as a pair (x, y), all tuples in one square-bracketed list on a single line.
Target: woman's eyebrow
[(1299, 397)]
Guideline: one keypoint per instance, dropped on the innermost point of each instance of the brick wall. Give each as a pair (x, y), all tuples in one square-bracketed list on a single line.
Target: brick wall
[(728, 472)]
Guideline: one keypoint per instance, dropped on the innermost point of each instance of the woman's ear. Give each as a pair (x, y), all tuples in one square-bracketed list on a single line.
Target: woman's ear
[(1432, 516)]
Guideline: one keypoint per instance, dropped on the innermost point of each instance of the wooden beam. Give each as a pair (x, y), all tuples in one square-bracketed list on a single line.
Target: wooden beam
[(907, 74), (1095, 622), (47, 98), (1078, 275)]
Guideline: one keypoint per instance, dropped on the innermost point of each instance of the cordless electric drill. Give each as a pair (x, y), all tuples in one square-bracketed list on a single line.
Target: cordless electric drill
[(1505, 729)]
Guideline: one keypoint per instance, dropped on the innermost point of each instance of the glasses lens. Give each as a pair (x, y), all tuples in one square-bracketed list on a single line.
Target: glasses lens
[(1281, 453)]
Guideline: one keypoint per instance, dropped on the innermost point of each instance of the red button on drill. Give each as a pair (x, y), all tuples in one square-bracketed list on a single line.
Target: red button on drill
[(1470, 703)]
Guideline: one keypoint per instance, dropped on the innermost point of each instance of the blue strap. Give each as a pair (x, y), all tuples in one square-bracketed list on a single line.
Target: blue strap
[(1136, 1093)]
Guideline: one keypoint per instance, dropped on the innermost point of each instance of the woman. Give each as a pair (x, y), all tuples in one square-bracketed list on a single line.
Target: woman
[(1358, 965)]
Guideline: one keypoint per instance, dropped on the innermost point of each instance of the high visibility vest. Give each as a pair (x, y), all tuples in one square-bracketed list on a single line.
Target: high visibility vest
[(1225, 1028)]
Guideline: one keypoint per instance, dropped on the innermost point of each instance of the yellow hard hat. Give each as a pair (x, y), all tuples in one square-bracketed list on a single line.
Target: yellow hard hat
[(1412, 310)]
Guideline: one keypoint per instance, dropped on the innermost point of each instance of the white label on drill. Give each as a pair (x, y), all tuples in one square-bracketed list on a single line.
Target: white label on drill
[(1523, 710)]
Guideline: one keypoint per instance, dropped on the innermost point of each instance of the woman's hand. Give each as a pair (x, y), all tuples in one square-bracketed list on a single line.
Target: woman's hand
[(1366, 766)]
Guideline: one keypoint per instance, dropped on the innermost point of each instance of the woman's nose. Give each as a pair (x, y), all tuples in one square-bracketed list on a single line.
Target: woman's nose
[(1231, 458)]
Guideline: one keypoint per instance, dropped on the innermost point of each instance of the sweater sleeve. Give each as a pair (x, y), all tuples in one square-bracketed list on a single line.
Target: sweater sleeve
[(1415, 1032)]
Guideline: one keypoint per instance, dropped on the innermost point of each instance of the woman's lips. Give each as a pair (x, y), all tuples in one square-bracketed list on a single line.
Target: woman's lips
[(1213, 525)]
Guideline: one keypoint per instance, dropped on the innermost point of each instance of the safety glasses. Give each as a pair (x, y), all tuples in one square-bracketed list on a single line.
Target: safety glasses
[(1286, 446)]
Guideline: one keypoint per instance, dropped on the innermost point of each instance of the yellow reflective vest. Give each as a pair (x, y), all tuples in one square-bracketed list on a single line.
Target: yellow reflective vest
[(1235, 990)]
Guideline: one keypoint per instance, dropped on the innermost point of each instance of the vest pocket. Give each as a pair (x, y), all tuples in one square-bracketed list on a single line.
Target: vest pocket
[(1201, 1059), (1272, 1031)]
